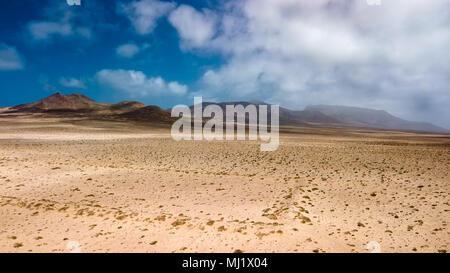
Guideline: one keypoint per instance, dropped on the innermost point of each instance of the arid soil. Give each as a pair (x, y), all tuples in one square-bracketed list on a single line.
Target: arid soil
[(92, 186)]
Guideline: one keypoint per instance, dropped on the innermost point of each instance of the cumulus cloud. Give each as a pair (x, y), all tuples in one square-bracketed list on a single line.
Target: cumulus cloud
[(176, 88), (137, 84), (144, 14), (72, 83), (194, 27), (300, 52), (10, 58)]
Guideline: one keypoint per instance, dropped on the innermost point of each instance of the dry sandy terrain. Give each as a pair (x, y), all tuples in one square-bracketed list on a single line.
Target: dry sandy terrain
[(95, 186)]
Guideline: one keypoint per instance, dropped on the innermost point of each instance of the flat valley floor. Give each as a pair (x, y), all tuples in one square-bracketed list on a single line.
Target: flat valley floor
[(92, 186)]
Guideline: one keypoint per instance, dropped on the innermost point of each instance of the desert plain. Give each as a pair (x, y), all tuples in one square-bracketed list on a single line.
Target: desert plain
[(80, 185)]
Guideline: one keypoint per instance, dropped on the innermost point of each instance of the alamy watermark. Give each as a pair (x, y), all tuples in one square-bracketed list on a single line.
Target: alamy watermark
[(373, 247), (73, 247), (209, 123), (73, 2)]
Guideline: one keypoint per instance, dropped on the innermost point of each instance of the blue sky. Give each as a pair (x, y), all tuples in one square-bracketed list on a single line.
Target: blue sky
[(392, 56), (57, 62)]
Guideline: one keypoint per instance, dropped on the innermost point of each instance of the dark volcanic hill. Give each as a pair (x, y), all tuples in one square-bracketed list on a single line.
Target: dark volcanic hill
[(149, 113), (126, 106), (78, 104)]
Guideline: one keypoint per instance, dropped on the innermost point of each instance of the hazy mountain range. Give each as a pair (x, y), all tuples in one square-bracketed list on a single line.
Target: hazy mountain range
[(318, 115)]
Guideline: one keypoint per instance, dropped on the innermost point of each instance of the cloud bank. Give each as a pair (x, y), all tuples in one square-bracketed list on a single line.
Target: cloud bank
[(298, 52)]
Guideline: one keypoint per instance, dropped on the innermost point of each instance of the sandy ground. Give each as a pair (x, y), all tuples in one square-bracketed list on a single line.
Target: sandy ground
[(90, 186)]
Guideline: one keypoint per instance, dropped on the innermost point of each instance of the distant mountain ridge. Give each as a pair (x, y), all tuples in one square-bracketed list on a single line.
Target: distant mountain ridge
[(373, 118), (287, 117), (316, 115)]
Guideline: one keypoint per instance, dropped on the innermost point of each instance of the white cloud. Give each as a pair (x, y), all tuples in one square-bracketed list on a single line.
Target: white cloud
[(10, 58), (143, 14), (137, 84), (130, 50), (176, 88), (72, 83), (194, 27), (300, 52)]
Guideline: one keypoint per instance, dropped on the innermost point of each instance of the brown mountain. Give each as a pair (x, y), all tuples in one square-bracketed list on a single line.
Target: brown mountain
[(320, 115), (78, 104), (148, 113), (127, 106), (59, 102)]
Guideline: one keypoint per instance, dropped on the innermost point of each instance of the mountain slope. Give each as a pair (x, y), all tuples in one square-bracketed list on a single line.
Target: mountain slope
[(287, 117), (290, 117), (149, 113), (126, 106), (80, 105), (58, 102), (372, 118)]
